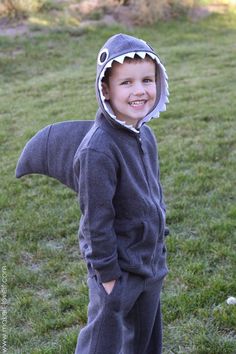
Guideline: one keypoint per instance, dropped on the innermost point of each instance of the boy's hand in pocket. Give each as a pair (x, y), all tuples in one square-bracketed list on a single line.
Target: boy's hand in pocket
[(108, 286)]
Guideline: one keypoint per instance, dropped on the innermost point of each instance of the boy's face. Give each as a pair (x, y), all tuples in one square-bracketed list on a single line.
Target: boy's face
[(131, 90)]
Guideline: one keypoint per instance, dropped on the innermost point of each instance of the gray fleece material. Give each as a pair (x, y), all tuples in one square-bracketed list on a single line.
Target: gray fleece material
[(123, 212), (127, 321), (51, 151)]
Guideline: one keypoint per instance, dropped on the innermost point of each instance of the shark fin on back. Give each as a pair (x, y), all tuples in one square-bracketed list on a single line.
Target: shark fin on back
[(51, 151)]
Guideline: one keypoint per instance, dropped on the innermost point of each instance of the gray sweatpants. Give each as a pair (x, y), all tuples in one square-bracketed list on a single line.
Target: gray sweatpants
[(127, 321)]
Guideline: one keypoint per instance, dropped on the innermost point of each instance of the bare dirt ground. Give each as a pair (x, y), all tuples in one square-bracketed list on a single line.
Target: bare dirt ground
[(13, 28)]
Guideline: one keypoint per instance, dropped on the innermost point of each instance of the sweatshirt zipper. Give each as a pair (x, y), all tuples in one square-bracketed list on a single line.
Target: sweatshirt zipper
[(147, 179), (159, 212)]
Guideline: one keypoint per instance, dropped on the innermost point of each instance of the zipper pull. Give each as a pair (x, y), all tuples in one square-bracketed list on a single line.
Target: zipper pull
[(139, 138), (140, 143)]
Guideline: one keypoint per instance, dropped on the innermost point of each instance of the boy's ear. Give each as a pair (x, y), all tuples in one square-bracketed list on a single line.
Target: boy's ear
[(105, 91)]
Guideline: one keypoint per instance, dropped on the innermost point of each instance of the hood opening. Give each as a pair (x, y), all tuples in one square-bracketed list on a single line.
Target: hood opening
[(118, 48), (161, 82)]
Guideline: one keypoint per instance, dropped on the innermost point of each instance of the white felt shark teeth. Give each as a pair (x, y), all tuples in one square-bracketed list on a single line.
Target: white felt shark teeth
[(109, 64), (120, 59), (130, 55), (153, 56), (164, 107), (141, 54)]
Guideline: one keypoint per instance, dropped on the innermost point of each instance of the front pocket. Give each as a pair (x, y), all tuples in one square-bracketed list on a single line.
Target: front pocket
[(135, 243), (103, 290)]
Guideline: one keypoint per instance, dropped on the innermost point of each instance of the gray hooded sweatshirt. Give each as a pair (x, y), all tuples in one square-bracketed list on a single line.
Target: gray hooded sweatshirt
[(117, 172)]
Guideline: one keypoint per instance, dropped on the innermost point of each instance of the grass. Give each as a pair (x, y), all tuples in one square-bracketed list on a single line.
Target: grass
[(49, 77)]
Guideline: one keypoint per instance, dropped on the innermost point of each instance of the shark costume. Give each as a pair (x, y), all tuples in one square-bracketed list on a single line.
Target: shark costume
[(114, 169)]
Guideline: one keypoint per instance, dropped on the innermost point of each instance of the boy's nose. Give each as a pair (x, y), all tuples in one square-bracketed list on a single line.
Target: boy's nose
[(138, 89)]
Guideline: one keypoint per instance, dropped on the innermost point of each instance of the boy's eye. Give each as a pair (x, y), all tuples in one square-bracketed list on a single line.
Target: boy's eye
[(126, 82), (147, 80)]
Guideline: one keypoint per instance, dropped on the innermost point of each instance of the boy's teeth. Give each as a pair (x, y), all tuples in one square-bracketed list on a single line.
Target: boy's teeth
[(136, 103)]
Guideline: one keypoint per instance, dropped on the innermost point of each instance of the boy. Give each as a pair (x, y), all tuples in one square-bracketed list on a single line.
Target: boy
[(116, 175), (123, 213)]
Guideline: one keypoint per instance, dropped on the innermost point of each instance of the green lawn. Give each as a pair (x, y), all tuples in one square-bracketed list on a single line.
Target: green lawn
[(49, 77)]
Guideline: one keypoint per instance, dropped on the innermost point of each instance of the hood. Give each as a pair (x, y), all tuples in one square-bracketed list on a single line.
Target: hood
[(117, 48)]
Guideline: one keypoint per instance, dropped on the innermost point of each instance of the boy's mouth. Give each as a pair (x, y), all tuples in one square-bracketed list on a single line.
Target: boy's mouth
[(137, 103)]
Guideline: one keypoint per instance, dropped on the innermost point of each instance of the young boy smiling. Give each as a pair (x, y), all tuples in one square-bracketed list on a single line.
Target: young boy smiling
[(112, 163), (122, 227)]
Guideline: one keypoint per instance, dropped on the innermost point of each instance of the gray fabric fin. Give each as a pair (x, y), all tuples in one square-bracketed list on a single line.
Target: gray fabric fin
[(51, 151)]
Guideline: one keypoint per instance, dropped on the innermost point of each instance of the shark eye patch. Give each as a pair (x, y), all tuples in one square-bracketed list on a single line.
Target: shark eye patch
[(103, 56)]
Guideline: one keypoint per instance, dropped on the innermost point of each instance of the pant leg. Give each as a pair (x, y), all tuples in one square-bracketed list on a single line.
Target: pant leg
[(125, 322), (147, 320), (103, 332), (155, 343)]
